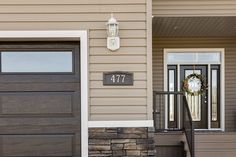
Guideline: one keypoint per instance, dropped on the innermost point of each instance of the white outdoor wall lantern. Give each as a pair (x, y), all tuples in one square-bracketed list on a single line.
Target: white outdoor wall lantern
[(113, 40)]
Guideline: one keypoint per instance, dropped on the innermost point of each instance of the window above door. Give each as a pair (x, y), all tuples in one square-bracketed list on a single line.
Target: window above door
[(193, 56)]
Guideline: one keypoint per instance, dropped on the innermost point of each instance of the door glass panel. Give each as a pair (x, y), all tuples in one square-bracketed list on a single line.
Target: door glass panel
[(214, 95), (27, 62), (171, 97), (194, 102)]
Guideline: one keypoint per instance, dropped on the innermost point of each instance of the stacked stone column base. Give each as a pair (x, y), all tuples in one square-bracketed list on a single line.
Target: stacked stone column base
[(121, 142)]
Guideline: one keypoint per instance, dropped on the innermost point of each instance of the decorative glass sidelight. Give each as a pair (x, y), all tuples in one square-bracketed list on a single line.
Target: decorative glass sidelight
[(215, 98), (171, 97), (214, 95)]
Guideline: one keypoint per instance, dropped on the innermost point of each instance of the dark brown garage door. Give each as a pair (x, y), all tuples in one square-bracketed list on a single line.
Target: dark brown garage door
[(40, 99)]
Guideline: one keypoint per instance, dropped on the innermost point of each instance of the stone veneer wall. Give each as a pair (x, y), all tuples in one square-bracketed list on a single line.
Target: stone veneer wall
[(121, 142)]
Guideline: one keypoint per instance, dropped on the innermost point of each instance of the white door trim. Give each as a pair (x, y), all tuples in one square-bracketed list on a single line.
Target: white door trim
[(75, 35), (222, 71)]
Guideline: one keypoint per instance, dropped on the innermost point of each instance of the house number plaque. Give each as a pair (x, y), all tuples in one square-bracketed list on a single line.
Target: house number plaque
[(118, 79)]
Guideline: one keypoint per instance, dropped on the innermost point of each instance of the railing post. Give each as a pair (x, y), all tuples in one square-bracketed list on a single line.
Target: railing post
[(154, 110), (188, 126), (193, 140)]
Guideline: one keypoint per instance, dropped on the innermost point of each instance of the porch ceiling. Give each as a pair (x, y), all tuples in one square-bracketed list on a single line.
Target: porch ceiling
[(200, 27)]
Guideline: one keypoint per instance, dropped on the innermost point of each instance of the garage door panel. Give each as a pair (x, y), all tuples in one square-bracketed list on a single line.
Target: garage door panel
[(37, 87), (39, 103), (8, 121), (36, 103), (37, 145), (36, 129)]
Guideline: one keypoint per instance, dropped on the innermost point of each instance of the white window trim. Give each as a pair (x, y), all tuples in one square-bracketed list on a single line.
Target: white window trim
[(75, 35), (222, 71)]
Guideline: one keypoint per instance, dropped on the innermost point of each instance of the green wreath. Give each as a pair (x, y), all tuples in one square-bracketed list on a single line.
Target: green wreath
[(202, 80)]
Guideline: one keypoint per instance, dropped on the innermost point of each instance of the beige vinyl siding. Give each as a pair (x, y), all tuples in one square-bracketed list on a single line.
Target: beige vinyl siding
[(158, 68), (118, 116), (106, 102), (63, 2), (206, 144), (174, 8), (215, 144), (230, 70)]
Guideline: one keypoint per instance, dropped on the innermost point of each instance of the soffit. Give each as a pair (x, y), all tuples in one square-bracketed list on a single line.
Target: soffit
[(194, 27)]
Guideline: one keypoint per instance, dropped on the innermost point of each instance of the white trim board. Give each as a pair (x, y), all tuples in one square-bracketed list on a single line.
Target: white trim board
[(42, 35), (123, 124), (76, 35), (222, 83)]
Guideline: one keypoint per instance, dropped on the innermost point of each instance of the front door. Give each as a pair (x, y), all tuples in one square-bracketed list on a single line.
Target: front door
[(198, 105)]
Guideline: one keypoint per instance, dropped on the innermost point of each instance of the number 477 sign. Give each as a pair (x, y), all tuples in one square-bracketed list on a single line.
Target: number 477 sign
[(118, 78)]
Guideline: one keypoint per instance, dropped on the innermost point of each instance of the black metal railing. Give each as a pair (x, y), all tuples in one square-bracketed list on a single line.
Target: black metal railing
[(182, 120), (162, 103), (188, 126)]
